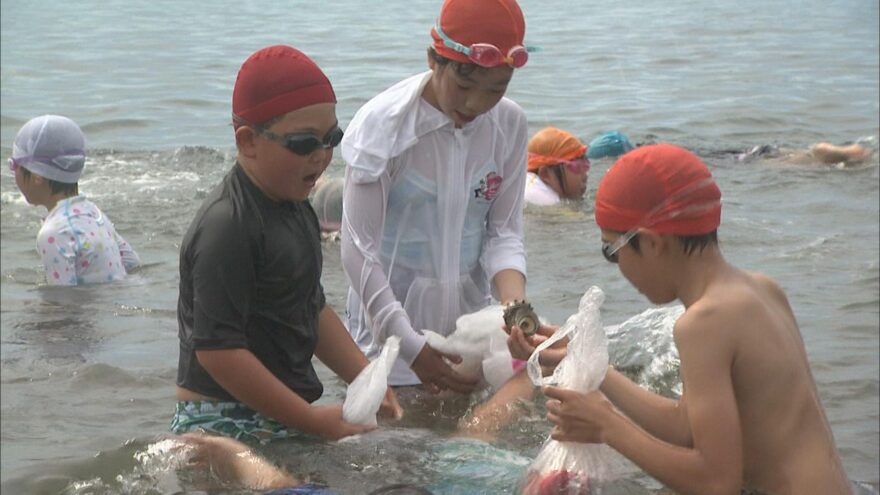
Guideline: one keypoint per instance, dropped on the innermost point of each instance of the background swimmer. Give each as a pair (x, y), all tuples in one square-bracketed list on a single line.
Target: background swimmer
[(77, 242), (818, 154), (326, 200), (557, 167)]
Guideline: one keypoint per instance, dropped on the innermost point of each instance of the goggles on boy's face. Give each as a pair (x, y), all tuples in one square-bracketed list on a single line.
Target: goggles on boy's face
[(302, 143), (486, 54), (610, 249), (577, 166)]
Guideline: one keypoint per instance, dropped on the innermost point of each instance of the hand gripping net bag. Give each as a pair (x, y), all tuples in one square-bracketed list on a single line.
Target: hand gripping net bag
[(366, 392), (573, 468)]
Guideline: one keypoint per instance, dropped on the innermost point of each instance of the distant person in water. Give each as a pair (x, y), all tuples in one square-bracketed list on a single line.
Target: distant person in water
[(608, 145), (326, 200), (77, 242), (557, 167), (818, 154), (558, 163)]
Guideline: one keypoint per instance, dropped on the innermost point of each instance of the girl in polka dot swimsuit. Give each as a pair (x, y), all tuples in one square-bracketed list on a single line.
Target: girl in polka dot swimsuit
[(77, 243)]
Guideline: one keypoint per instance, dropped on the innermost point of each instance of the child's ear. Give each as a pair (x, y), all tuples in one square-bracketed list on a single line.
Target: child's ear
[(653, 244), (245, 138)]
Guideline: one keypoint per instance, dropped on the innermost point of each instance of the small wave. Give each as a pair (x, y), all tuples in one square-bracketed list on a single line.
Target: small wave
[(866, 306), (190, 102), (6, 120), (643, 344), (115, 124), (106, 375)]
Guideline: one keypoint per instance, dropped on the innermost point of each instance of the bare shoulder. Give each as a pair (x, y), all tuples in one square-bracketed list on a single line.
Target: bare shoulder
[(727, 303), (768, 286), (704, 323)]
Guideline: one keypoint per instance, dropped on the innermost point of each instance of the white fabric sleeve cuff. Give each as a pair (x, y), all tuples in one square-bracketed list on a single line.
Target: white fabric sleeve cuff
[(410, 346), (504, 253)]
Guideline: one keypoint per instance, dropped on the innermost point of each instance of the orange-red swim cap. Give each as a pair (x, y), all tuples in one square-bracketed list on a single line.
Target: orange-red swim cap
[(661, 187), (497, 22), (550, 146)]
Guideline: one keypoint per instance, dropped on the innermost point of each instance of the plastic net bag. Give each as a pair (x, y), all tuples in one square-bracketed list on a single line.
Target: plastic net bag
[(366, 392), (572, 467), (482, 345)]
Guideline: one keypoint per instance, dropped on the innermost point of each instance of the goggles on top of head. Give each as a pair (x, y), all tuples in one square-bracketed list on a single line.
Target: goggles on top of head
[(301, 143), (486, 54), (13, 164), (610, 249)]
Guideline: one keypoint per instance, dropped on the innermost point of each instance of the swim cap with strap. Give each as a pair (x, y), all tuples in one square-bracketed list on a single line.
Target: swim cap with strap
[(496, 22), (551, 146), (51, 146), (661, 187)]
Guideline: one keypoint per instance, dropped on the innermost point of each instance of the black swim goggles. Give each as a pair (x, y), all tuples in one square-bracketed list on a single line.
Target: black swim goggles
[(303, 143), (610, 249)]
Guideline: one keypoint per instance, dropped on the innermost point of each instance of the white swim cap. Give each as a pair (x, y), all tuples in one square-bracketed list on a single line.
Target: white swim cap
[(51, 146)]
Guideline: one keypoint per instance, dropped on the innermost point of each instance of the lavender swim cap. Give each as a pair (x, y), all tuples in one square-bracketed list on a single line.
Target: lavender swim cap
[(51, 146)]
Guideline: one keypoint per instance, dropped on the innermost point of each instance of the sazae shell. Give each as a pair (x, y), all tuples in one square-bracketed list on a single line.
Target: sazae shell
[(521, 314)]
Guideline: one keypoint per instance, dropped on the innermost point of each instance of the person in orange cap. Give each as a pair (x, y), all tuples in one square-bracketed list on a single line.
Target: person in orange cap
[(432, 208), (750, 415), (251, 309), (557, 167)]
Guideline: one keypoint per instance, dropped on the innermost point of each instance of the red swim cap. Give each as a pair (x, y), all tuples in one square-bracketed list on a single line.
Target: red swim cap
[(497, 22), (276, 80), (661, 187)]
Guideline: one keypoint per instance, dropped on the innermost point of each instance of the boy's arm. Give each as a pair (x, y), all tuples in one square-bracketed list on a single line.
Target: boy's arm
[(338, 352), (714, 463), (335, 347), (241, 374), (661, 417)]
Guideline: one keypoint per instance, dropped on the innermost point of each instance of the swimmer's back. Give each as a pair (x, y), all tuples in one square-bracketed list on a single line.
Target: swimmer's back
[(787, 443)]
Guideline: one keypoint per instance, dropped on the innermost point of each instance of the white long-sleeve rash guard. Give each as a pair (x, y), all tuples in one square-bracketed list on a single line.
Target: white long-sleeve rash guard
[(431, 213)]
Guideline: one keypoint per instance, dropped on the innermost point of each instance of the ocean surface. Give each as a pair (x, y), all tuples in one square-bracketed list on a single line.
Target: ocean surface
[(88, 372)]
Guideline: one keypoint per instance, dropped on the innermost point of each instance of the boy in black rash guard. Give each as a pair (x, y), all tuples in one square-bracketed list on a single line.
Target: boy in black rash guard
[(251, 309)]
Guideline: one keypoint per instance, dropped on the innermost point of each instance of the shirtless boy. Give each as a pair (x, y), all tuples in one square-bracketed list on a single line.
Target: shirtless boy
[(749, 415)]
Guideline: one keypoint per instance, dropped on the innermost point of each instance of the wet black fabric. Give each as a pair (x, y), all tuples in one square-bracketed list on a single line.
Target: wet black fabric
[(250, 277)]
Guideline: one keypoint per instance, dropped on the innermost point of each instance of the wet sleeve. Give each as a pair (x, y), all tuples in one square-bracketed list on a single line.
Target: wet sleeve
[(130, 258), (363, 219), (503, 248), (57, 248), (223, 279)]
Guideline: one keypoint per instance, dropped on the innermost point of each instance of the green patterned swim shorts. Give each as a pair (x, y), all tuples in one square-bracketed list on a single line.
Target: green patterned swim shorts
[(229, 419)]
